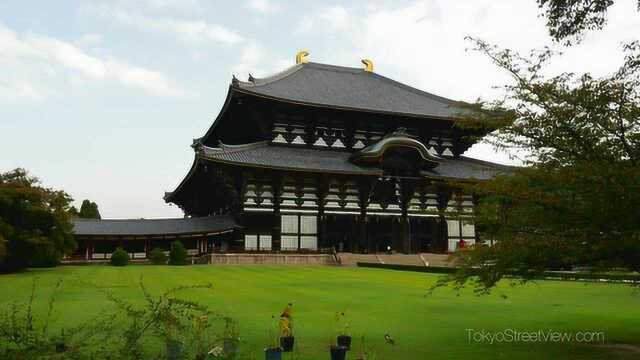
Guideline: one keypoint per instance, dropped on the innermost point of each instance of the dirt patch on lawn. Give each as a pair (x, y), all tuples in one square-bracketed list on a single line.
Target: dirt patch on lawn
[(621, 351)]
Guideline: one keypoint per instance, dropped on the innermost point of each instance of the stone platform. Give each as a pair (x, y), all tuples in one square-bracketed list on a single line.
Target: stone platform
[(272, 259)]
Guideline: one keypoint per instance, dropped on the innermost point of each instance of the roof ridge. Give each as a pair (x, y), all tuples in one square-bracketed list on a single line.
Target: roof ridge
[(272, 78), (415, 90), (152, 219), (356, 70)]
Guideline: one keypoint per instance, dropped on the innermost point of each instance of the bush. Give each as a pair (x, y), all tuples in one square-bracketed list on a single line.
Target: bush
[(119, 257), (178, 254), (45, 255), (158, 257)]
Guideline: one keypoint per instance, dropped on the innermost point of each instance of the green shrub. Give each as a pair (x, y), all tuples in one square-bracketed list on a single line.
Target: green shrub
[(119, 257), (177, 254), (158, 257), (45, 255)]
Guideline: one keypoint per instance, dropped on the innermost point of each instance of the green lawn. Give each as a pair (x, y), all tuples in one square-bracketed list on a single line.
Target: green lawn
[(376, 301)]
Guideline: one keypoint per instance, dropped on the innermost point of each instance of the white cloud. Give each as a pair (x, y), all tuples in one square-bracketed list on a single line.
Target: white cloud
[(16, 91), (336, 17), (259, 62), (151, 81), (31, 59), (190, 29), (263, 6), (250, 61), (326, 19), (90, 39)]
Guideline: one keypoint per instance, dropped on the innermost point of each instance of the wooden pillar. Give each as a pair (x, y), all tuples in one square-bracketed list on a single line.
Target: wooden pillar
[(322, 189), (407, 188), (86, 249), (365, 187), (444, 194), (276, 189), (363, 239)]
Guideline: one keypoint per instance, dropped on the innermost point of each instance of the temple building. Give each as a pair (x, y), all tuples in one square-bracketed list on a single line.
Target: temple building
[(321, 157)]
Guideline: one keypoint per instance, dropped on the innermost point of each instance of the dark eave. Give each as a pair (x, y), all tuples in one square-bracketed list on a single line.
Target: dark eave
[(313, 160), (153, 227)]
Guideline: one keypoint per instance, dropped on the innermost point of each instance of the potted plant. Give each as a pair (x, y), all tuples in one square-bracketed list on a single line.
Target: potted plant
[(344, 335), (173, 344), (231, 339), (61, 344), (273, 352), (337, 352), (286, 328)]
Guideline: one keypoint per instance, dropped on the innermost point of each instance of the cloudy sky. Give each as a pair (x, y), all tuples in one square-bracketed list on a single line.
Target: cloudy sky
[(102, 98)]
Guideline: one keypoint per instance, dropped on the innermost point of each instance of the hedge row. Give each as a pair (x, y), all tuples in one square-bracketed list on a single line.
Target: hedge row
[(549, 275), (418, 268)]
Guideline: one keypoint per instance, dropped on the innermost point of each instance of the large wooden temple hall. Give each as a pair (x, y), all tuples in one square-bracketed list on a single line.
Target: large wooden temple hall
[(319, 157)]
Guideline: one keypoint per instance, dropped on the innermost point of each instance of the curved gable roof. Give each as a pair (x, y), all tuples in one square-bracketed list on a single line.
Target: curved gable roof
[(349, 88)]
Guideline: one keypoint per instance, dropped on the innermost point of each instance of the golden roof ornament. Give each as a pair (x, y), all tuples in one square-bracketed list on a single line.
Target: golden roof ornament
[(301, 57), (368, 65)]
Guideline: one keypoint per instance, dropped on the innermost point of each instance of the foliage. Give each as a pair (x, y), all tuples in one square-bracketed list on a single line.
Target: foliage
[(576, 204), (45, 255), (158, 257), (165, 315), (89, 210), (34, 221), (3, 248), (23, 336), (119, 257), (177, 254), (569, 19)]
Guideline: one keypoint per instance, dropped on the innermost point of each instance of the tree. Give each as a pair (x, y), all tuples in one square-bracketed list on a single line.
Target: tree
[(577, 202), (3, 248), (158, 257), (34, 221), (177, 254), (119, 257), (89, 210), (568, 19)]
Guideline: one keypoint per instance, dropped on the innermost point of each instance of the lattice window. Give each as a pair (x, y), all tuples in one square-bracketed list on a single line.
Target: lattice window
[(251, 242), (299, 232), (265, 242)]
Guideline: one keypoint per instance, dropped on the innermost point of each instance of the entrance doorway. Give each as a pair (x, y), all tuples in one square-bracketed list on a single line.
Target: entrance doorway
[(380, 231), (341, 232)]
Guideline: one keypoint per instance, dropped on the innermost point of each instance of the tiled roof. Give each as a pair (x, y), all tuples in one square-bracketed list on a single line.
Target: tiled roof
[(262, 154), (176, 226), (350, 88)]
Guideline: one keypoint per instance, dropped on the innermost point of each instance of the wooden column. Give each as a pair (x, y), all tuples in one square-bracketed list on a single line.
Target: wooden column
[(322, 189), (407, 188), (276, 189), (444, 194), (365, 187)]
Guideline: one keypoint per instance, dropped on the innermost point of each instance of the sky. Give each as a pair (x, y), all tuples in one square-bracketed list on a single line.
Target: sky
[(103, 98)]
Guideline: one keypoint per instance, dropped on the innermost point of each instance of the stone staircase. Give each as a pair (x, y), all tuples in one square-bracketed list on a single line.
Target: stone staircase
[(422, 259)]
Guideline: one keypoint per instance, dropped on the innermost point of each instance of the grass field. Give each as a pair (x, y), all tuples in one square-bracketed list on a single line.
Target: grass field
[(375, 301)]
